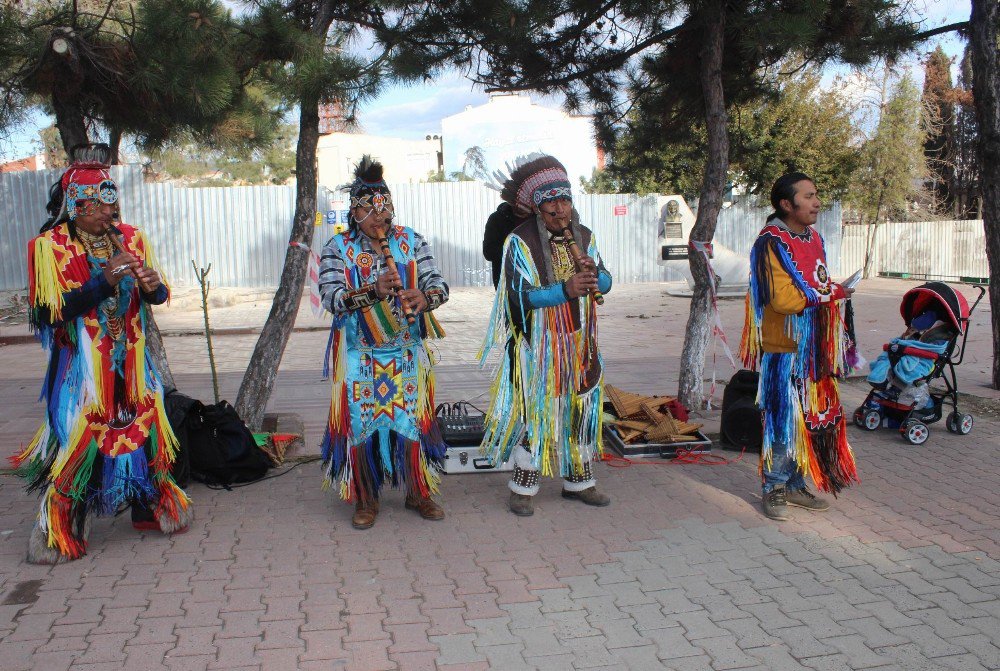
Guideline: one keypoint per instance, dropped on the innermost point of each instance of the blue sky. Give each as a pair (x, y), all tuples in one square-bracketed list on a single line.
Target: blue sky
[(414, 111)]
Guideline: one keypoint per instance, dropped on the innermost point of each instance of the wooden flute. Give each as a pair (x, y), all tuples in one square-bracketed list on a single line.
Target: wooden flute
[(120, 248), (390, 262), (574, 250)]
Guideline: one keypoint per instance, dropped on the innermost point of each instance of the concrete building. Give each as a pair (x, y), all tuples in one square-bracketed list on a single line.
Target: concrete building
[(404, 160), (510, 125)]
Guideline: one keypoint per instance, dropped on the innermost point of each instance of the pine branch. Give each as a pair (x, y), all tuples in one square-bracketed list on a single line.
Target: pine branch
[(595, 67), (961, 27)]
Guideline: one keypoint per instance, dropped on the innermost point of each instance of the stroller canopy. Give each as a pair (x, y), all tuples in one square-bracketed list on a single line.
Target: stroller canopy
[(949, 304)]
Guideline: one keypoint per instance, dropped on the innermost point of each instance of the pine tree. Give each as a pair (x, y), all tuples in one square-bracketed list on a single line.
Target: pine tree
[(984, 36), (146, 68), (303, 46), (802, 126), (968, 204), (686, 58), (939, 146), (892, 161), (149, 68)]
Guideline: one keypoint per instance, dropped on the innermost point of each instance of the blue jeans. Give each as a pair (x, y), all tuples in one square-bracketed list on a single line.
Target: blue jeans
[(783, 471)]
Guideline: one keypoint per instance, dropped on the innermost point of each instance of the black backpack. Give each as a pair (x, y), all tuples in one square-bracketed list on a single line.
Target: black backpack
[(220, 448), (177, 406)]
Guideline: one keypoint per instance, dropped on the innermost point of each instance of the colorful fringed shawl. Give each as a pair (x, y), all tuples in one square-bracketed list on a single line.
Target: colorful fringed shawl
[(548, 386), (106, 440), (382, 382), (798, 390)]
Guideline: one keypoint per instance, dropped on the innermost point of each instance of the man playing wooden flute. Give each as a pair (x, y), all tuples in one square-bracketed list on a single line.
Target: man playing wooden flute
[(106, 442), (548, 390), (381, 426)]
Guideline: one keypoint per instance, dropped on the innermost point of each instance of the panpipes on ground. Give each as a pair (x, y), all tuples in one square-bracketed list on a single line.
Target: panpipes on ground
[(647, 419)]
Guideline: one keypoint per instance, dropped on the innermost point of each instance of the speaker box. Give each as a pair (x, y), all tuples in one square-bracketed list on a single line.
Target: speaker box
[(741, 425)]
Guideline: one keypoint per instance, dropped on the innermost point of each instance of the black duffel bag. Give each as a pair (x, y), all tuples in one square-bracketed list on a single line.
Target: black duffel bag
[(220, 449)]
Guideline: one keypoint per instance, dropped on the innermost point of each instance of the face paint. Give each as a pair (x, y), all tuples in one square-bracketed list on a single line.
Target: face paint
[(88, 207)]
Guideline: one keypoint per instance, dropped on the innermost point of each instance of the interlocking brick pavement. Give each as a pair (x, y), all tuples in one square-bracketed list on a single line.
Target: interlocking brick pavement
[(681, 572)]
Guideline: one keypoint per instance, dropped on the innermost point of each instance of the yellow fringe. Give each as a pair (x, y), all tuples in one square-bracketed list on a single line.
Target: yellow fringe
[(150, 259), (164, 433), (49, 285), (139, 383), (96, 373), (66, 450), (35, 441)]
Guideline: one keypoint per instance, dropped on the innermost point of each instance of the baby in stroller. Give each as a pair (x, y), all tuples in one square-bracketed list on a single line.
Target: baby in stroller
[(935, 316), (902, 370)]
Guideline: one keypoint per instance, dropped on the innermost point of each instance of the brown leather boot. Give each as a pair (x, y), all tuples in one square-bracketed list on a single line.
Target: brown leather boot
[(426, 506), (590, 496), (520, 505), (365, 513)]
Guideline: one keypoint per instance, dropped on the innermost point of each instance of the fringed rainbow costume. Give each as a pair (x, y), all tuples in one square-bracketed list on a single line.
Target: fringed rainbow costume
[(106, 441), (381, 425), (795, 335), (548, 388)]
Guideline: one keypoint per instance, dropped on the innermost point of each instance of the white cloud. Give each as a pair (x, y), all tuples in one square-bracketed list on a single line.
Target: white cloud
[(414, 111)]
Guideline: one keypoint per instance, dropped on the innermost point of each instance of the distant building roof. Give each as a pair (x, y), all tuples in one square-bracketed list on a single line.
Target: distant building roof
[(36, 162)]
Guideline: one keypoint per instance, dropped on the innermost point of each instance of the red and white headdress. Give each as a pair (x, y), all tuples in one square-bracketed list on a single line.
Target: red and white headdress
[(534, 179)]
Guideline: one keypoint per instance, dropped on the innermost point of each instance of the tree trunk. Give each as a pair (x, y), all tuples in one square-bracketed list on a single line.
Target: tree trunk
[(873, 237), (115, 142), (66, 100), (690, 384), (69, 121), (255, 389), (984, 31)]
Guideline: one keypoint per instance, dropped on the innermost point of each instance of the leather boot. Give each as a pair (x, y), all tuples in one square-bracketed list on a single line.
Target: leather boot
[(803, 498), (426, 506), (590, 496), (144, 519), (520, 505), (775, 505), (364, 514)]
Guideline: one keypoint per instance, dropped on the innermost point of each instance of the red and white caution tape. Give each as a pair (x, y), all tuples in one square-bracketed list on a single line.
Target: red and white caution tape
[(718, 333), (315, 300)]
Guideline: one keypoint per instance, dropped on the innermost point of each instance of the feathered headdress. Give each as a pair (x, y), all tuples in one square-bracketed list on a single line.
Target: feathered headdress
[(369, 188), (532, 180)]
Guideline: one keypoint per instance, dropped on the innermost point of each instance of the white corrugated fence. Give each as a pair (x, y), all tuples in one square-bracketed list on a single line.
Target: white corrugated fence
[(243, 231), (946, 250)]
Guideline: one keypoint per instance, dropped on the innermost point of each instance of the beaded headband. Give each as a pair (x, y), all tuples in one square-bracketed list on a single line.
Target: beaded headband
[(87, 181), (369, 189), (533, 180)]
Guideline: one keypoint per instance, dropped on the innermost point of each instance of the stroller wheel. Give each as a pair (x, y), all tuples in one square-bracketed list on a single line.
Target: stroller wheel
[(959, 423), (859, 417), (871, 420), (915, 432)]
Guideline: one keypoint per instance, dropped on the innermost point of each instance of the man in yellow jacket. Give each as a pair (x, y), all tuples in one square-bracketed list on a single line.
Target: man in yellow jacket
[(794, 335)]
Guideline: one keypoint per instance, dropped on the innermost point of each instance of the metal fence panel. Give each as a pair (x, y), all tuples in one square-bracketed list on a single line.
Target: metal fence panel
[(243, 231), (740, 223), (937, 249)]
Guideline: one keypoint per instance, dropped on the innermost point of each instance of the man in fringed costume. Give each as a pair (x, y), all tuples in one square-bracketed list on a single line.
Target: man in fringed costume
[(106, 441), (797, 338), (381, 426), (548, 390)]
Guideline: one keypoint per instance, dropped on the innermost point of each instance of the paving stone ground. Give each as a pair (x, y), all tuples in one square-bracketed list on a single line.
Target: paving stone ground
[(680, 572)]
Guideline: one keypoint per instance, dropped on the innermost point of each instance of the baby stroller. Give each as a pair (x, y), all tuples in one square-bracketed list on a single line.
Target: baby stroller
[(935, 316)]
